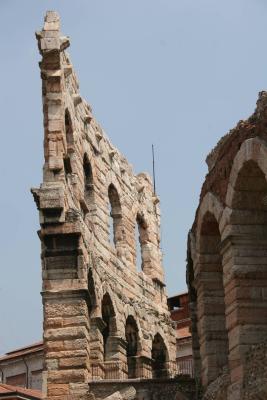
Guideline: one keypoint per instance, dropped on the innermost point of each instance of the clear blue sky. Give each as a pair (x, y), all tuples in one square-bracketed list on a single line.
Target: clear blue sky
[(176, 73)]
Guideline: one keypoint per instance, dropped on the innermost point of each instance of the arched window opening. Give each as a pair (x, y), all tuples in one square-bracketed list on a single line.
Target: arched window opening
[(108, 316), (70, 141), (115, 217), (88, 180), (68, 129), (67, 165), (159, 357), (92, 294), (140, 241), (131, 334), (210, 291)]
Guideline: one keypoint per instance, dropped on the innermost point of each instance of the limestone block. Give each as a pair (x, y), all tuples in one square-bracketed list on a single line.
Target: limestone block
[(65, 333), (58, 389), (73, 362), (66, 376), (50, 43)]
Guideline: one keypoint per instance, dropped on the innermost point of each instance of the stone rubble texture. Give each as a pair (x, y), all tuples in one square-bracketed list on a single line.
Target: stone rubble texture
[(226, 270), (125, 394), (90, 284), (153, 389)]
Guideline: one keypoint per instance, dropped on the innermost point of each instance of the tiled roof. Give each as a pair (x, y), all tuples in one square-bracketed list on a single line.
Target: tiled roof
[(178, 295), (18, 391), (183, 333), (33, 348)]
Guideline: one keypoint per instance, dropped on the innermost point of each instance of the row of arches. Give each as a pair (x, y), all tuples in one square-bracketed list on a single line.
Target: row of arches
[(229, 267), (117, 232), (129, 347), (116, 229)]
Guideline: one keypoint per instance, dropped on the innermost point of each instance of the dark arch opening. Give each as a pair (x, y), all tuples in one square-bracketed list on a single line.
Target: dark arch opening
[(115, 216), (91, 292), (70, 142), (88, 181), (108, 316), (68, 129), (131, 335), (249, 261), (159, 357), (213, 337)]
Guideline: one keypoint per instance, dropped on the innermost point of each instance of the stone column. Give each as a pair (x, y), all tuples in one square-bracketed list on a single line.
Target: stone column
[(195, 340), (245, 280), (116, 362), (65, 343)]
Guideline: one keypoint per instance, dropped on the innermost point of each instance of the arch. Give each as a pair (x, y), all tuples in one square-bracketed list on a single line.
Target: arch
[(159, 357), (250, 189), (132, 346), (245, 256), (130, 311), (70, 142), (253, 149), (92, 300), (115, 213), (110, 329), (210, 203), (88, 181), (211, 325), (68, 129), (111, 179)]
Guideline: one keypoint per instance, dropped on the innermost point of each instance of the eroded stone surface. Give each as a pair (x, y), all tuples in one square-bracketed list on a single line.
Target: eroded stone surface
[(100, 313), (227, 260)]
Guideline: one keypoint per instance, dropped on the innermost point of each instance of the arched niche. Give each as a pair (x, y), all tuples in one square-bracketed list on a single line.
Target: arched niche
[(70, 142), (132, 346), (211, 325), (245, 257), (159, 357), (68, 129), (88, 182), (110, 329), (92, 303)]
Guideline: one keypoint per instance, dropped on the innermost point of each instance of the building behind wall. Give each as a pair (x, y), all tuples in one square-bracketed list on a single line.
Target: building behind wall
[(227, 265), (179, 309), (103, 319), (23, 367)]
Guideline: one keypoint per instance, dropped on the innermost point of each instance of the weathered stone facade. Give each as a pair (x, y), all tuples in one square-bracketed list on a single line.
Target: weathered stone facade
[(100, 312), (227, 260), (180, 388)]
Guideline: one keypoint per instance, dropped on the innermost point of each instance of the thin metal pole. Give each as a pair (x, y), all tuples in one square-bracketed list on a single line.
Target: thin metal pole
[(154, 174)]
